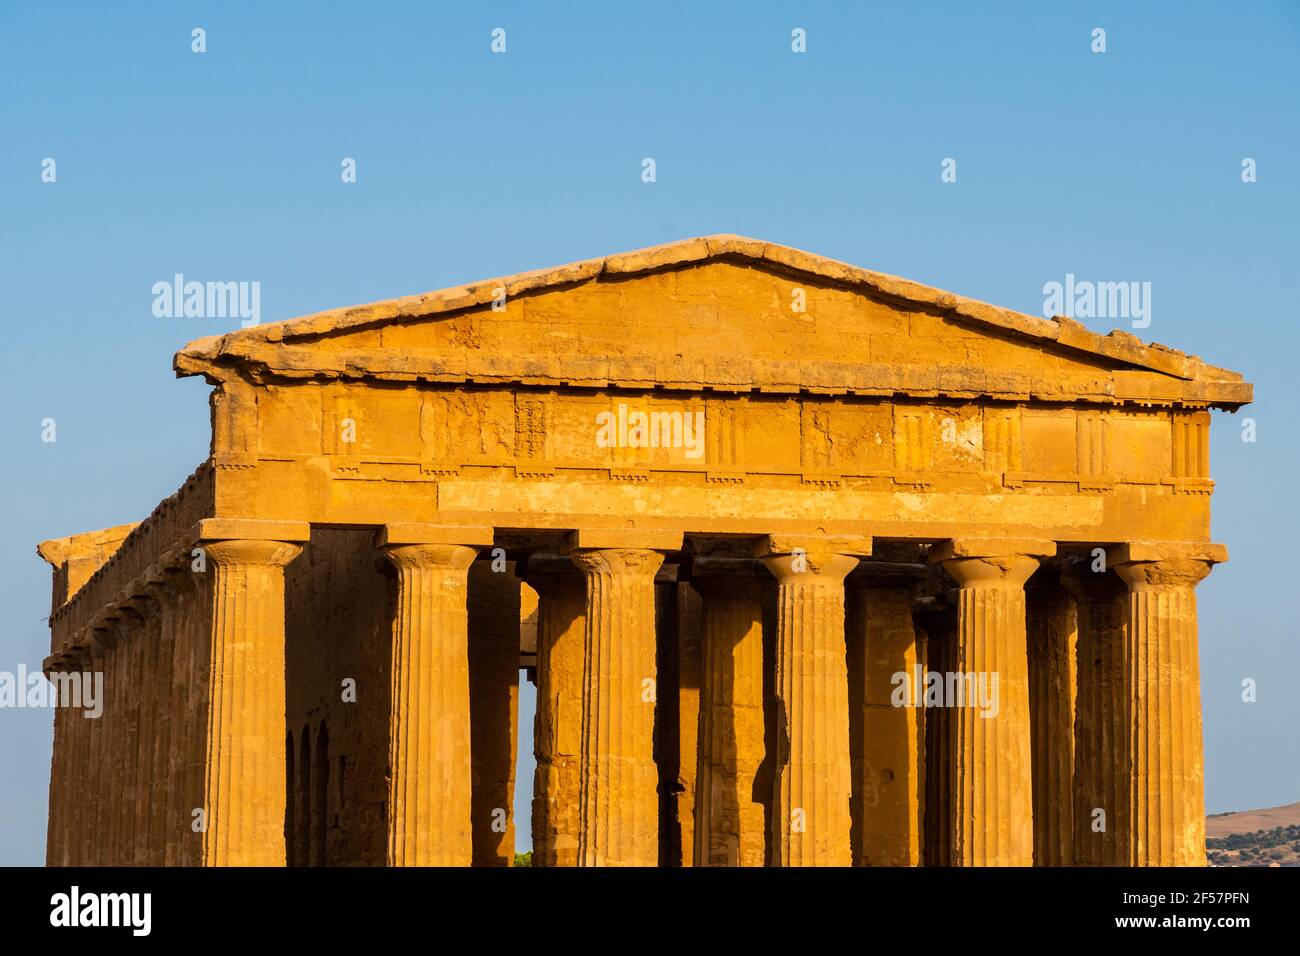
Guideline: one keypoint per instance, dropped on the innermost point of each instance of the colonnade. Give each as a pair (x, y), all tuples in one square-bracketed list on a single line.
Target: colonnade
[(1092, 755)]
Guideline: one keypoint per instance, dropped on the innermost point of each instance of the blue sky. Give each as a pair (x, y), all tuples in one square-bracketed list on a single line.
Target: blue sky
[(1123, 165)]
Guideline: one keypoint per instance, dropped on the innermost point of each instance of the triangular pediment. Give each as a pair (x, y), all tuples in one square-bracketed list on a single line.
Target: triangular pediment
[(719, 313)]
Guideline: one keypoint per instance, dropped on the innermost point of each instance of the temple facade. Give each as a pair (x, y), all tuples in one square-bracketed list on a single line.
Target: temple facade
[(810, 566)]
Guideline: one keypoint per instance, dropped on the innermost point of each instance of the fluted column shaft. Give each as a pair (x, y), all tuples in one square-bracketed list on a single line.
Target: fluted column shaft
[(618, 812), (94, 834), (161, 806), (58, 809), (109, 749), (992, 783), (812, 784), (147, 790), (77, 791), (131, 639), (243, 784), (1162, 681), (184, 593), (729, 822), (430, 783), (56, 841)]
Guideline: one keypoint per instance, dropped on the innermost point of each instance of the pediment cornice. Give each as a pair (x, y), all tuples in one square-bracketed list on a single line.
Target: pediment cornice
[(1127, 369)]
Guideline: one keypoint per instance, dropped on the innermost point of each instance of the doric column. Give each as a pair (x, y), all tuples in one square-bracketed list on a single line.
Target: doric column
[(1051, 635), (111, 781), (729, 823), (161, 803), (94, 796), (243, 789), (618, 821), (557, 725), (887, 736), (937, 618), (1100, 788), (1162, 681), (79, 792), (430, 789), (129, 625), (146, 788), (57, 668), (189, 624), (812, 786), (992, 785), (57, 817)]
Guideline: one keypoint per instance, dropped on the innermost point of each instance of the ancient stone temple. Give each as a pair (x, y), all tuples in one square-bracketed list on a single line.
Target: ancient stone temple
[(810, 566)]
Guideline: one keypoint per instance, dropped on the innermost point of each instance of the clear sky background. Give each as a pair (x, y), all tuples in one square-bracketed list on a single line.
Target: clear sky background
[(225, 166)]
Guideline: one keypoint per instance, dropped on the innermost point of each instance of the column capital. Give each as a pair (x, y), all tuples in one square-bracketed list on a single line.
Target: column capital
[(129, 613), (1154, 565), (115, 622), (102, 629), (156, 584), (627, 561), (144, 603), (991, 562), (431, 557), (825, 569), (180, 578), (77, 656), (233, 552)]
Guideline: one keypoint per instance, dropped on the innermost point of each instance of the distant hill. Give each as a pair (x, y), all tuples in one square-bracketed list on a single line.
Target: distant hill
[(1254, 837)]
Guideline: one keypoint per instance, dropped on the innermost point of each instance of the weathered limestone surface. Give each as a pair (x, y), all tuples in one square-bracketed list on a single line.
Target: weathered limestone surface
[(358, 705), (430, 792), (1166, 784), (618, 809), (813, 787), (243, 802), (992, 787), (191, 667), (162, 799)]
